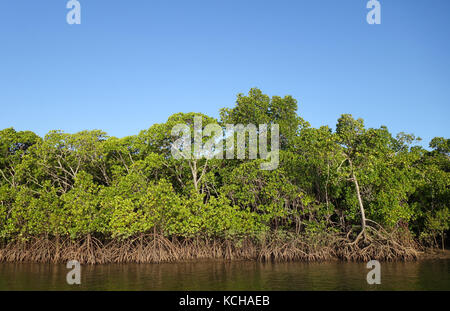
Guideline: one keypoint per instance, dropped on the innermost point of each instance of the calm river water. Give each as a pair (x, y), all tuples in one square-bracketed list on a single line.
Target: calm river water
[(423, 275)]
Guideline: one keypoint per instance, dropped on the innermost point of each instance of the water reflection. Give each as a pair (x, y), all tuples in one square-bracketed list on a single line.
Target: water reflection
[(241, 275)]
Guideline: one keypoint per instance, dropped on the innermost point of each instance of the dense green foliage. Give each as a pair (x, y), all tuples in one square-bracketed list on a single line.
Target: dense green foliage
[(91, 184)]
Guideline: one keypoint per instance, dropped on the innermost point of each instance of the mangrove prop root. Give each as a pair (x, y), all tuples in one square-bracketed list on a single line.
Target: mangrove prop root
[(153, 248)]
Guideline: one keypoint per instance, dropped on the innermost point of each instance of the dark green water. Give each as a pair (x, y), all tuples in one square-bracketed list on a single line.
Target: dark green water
[(423, 275)]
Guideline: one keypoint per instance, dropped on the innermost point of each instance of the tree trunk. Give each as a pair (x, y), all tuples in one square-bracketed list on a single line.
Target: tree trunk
[(193, 167), (361, 206)]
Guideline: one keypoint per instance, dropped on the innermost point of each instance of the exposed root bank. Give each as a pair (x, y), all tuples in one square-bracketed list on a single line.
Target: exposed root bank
[(156, 248), (378, 245)]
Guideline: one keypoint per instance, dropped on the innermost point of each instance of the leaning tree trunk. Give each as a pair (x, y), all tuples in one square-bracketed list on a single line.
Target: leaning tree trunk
[(361, 206)]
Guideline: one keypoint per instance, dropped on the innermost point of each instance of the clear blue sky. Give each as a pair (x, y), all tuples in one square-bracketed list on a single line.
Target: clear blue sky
[(131, 64)]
